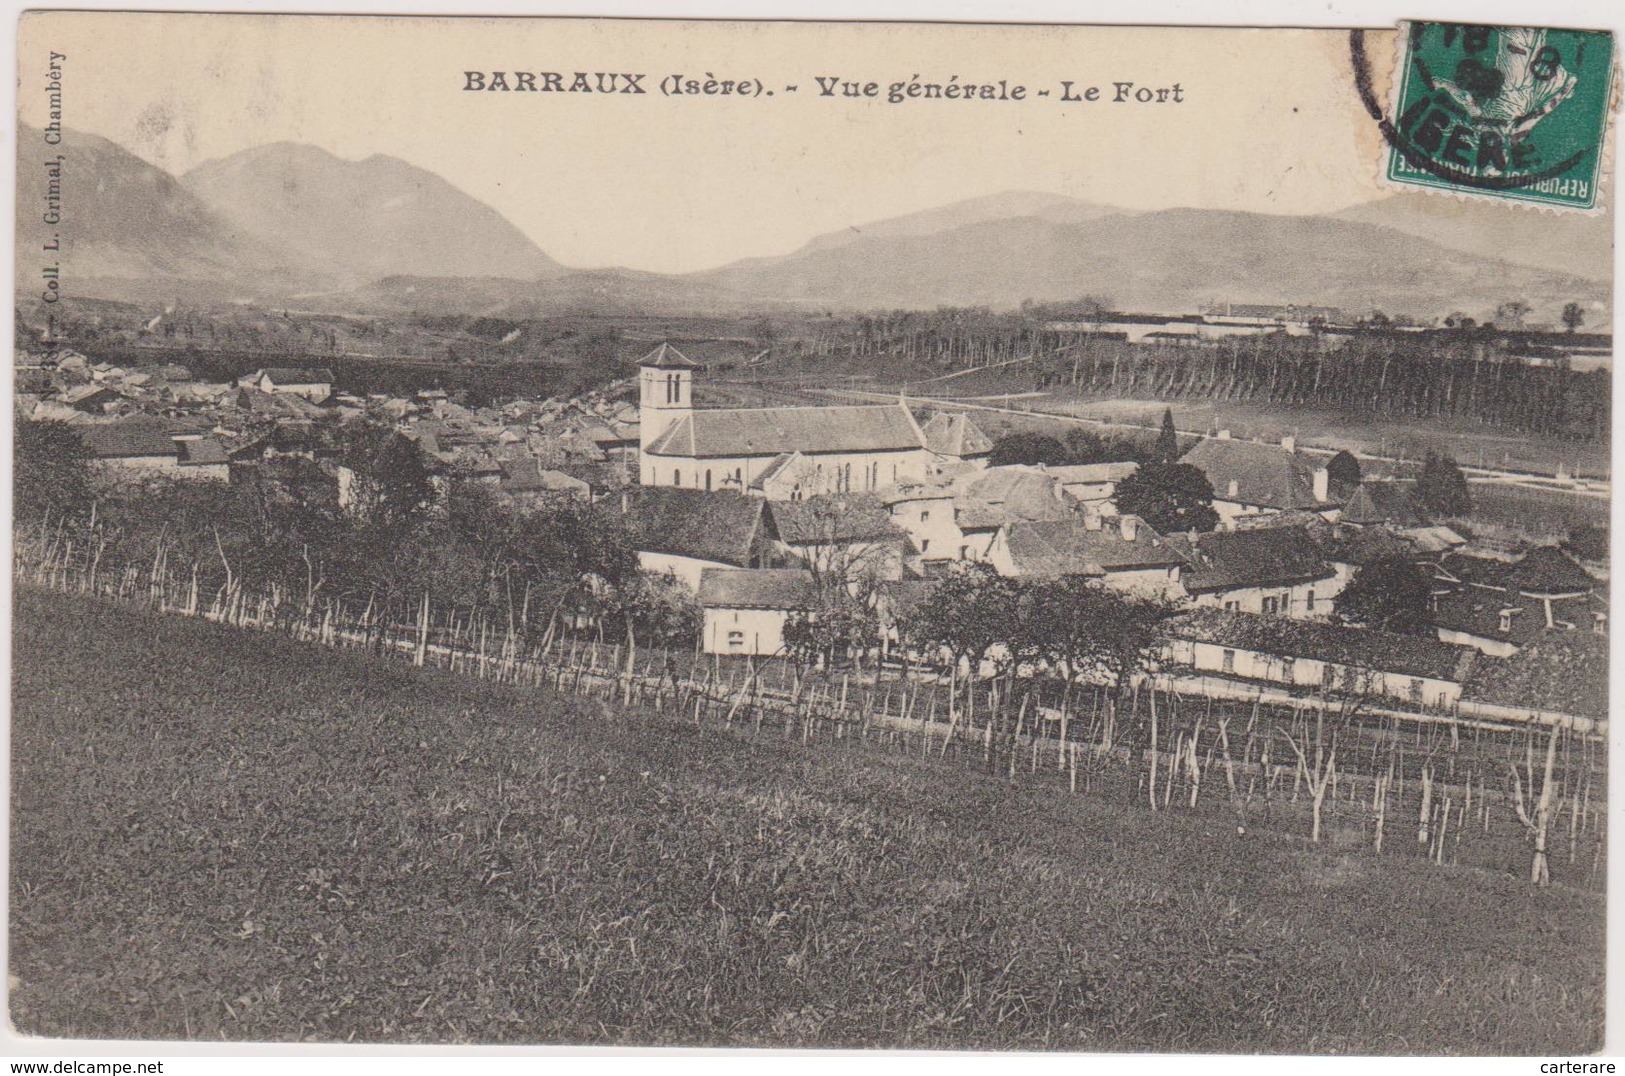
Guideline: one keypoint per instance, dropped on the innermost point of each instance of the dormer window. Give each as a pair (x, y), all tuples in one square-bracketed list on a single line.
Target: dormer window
[(1506, 621)]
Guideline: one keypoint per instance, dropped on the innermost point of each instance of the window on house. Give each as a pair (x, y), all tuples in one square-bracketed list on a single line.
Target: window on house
[(1272, 604), (925, 544), (1232, 607), (1289, 669), (1229, 661), (1416, 690), (736, 640), (1309, 602), (925, 515), (676, 477), (708, 479)]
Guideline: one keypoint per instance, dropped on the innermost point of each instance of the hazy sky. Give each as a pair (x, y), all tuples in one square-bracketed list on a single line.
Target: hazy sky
[(1270, 121)]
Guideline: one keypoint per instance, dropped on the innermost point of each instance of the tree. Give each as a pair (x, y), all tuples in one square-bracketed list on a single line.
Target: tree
[(1574, 316), (1587, 541), (1169, 496), (1390, 594), (1028, 448), (658, 610), (391, 478), (51, 473), (1442, 487), (1344, 468), (1086, 446), (839, 625), (1089, 632), (1167, 450), (1510, 314), (971, 612)]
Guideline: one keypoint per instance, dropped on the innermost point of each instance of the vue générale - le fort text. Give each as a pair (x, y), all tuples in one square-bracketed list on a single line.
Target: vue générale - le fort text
[(903, 91)]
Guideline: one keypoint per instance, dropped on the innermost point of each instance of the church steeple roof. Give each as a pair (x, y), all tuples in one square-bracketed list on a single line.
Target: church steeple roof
[(666, 357)]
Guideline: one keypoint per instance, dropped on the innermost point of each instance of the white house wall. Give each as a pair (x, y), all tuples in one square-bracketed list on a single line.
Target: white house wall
[(856, 560), (1162, 582), (745, 632), (738, 472), (930, 523), (1302, 601), (1495, 648), (685, 569), (169, 466)]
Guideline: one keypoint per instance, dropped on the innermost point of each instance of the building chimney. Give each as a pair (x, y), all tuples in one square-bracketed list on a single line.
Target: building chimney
[(1323, 486), (1091, 521), (1290, 443), (1235, 488), (1128, 526), (1224, 435)]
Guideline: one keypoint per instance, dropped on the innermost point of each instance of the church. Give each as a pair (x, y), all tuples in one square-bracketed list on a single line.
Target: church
[(787, 453)]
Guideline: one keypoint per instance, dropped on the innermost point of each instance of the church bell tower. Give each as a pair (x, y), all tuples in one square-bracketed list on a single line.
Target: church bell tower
[(665, 392)]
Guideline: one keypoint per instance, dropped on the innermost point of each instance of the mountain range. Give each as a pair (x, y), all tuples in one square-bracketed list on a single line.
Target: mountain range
[(1165, 260), (290, 222)]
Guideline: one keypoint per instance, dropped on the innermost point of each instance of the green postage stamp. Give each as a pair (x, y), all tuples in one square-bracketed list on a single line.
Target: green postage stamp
[(1512, 112)]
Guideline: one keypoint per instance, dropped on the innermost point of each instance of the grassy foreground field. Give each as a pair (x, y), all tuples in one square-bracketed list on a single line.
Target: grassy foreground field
[(225, 835)]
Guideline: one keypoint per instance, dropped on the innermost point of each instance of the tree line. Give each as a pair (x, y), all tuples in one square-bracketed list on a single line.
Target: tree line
[(407, 529)]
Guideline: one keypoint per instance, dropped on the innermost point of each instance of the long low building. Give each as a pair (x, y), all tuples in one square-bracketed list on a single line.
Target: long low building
[(1316, 656), (142, 446)]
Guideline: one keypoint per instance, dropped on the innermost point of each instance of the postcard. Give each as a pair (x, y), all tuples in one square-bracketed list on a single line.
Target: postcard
[(650, 533)]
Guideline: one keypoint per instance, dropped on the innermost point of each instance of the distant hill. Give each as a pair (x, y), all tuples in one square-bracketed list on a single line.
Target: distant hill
[(1170, 260), (359, 221), (1568, 243), (124, 220), (1003, 206), (594, 291)]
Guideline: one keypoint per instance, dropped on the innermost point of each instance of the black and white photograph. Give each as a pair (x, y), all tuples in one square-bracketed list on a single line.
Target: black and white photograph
[(918, 536)]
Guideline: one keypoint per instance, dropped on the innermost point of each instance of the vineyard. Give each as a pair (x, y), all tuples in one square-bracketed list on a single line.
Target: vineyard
[(219, 833), (1462, 374), (1509, 796)]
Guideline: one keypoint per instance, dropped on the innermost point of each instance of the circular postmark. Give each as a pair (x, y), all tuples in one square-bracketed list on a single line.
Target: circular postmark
[(1473, 128)]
